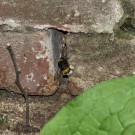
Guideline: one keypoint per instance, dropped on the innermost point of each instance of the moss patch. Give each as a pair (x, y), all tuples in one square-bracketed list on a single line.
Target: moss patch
[(127, 7), (2, 120), (126, 30)]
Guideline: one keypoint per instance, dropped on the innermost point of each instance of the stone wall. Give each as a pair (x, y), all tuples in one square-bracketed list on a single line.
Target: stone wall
[(100, 38)]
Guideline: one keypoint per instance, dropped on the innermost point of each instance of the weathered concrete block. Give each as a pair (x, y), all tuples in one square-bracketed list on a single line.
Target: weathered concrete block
[(37, 56)]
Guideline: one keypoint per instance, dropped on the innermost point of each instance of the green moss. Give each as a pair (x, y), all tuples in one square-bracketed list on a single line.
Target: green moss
[(3, 119), (121, 34), (127, 7), (10, 1), (126, 30), (133, 22)]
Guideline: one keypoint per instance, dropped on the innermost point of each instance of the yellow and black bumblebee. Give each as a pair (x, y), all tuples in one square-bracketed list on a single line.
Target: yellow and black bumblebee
[(65, 68), (63, 64)]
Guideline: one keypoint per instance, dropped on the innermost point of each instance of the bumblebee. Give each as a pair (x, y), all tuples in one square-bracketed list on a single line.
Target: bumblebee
[(63, 64), (65, 68)]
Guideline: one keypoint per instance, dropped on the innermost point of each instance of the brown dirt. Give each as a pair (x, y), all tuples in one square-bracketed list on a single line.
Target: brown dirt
[(42, 109)]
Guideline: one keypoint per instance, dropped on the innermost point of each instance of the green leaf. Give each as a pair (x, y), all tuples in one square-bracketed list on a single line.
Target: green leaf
[(106, 109)]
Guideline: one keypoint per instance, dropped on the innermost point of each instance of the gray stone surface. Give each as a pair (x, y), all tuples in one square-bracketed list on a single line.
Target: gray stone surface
[(68, 15)]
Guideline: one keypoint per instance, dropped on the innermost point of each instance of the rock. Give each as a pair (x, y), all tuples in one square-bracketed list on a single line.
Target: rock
[(37, 60), (97, 58), (65, 97), (74, 90), (73, 16)]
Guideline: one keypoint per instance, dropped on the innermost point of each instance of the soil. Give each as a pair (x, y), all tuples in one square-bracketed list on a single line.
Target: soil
[(42, 109)]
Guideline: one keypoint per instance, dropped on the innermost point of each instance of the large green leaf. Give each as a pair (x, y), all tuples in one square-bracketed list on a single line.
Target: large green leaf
[(107, 109)]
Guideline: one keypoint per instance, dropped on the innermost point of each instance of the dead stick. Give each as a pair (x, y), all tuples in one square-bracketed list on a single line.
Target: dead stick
[(17, 81)]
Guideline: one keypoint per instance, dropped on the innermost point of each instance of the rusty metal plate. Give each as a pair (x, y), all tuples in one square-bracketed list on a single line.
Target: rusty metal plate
[(36, 55)]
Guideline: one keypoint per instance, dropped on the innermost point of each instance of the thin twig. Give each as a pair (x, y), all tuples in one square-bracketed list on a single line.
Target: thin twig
[(17, 81), (9, 90)]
